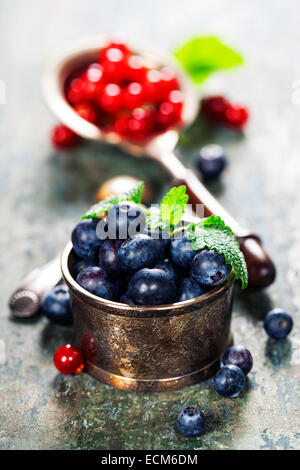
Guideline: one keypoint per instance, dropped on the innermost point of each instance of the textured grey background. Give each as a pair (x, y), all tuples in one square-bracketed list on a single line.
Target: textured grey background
[(43, 194)]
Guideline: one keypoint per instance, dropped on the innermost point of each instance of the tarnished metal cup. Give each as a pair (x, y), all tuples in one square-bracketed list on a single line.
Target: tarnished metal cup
[(155, 348)]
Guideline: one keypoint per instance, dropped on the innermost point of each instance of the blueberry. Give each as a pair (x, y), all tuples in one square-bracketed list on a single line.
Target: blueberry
[(162, 239), (278, 323), (189, 289), (138, 252), (238, 356), (191, 422), (229, 381), (108, 256), (97, 281), (57, 307), (181, 252), (211, 161), (167, 265), (126, 300), (209, 268), (80, 265), (152, 287), (85, 240), (125, 220)]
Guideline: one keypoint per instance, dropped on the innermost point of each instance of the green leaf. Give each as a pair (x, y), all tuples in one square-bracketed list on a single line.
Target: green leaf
[(173, 205), (204, 55), (102, 207), (212, 233)]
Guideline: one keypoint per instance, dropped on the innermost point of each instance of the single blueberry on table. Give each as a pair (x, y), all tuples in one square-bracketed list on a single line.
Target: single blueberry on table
[(57, 306), (211, 161), (167, 265), (181, 252), (81, 265), (191, 422), (85, 240), (138, 252), (229, 381), (108, 256), (238, 356), (278, 323), (96, 280), (189, 289), (209, 268), (152, 287), (125, 219)]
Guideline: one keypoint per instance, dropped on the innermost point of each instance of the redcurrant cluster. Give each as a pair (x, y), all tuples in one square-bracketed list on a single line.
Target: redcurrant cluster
[(218, 109), (121, 94)]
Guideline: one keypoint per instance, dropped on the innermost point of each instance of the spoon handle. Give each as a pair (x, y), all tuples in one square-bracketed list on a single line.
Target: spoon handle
[(26, 301), (261, 269)]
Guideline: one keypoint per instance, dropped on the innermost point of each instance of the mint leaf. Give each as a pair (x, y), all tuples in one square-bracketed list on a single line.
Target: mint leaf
[(204, 55), (173, 205), (212, 233), (102, 207)]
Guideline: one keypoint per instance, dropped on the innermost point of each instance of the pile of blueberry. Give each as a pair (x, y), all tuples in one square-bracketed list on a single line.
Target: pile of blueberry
[(148, 268)]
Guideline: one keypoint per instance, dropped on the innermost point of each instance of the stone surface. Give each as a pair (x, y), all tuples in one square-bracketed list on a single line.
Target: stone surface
[(44, 193)]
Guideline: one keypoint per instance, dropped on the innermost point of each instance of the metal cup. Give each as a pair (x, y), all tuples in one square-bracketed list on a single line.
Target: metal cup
[(156, 348)]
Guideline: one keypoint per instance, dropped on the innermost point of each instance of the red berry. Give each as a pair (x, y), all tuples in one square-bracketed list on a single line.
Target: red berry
[(63, 138), (86, 111), (153, 86), (140, 123), (176, 98), (75, 91), (214, 107), (121, 124), (236, 117), (94, 73), (110, 98), (113, 62), (118, 44), (68, 359), (168, 81), (133, 96), (135, 69)]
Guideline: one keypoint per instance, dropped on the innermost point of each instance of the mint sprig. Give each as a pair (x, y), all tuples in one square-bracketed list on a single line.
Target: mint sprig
[(172, 208), (212, 233), (101, 208), (201, 56)]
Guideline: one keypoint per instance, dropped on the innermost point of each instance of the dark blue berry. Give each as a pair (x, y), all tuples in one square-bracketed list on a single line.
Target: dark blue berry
[(126, 300), (229, 381), (163, 240), (189, 289), (81, 265), (238, 356), (209, 268), (152, 287), (211, 161), (138, 252), (57, 307), (85, 240), (168, 266), (181, 252), (108, 256), (191, 422), (125, 220), (278, 323), (96, 280)]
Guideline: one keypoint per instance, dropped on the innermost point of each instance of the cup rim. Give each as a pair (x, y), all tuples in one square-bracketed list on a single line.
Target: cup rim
[(133, 310)]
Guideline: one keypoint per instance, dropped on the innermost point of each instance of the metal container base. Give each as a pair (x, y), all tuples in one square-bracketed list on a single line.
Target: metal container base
[(154, 385)]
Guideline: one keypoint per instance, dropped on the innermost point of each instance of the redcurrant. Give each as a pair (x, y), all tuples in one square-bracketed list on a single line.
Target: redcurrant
[(113, 62), (135, 69), (133, 96), (110, 98), (75, 91), (214, 107), (168, 81), (68, 359), (153, 89), (63, 138), (236, 117), (86, 111)]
